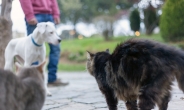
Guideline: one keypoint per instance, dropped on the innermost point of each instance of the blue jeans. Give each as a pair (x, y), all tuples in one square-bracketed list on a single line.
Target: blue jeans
[(54, 54)]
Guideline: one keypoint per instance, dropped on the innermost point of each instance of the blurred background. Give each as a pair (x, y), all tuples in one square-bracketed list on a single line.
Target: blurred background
[(96, 25)]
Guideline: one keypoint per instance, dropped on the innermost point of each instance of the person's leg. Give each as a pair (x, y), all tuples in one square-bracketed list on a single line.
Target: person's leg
[(29, 28), (54, 56)]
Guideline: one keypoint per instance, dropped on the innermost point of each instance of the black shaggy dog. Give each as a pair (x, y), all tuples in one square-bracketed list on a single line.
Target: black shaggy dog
[(138, 70)]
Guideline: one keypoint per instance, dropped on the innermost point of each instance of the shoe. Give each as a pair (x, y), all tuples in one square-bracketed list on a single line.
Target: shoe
[(58, 82)]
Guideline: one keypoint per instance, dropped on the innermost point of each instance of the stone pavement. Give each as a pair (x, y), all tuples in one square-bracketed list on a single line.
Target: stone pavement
[(83, 94)]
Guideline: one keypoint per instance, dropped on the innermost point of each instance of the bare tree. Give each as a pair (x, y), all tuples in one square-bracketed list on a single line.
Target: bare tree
[(5, 28), (104, 25)]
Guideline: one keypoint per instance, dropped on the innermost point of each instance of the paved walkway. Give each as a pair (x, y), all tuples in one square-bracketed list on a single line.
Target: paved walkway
[(82, 94)]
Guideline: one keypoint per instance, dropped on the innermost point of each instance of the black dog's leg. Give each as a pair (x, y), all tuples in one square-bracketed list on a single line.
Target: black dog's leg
[(110, 98), (131, 105), (154, 92), (111, 101), (164, 102), (146, 99), (146, 102)]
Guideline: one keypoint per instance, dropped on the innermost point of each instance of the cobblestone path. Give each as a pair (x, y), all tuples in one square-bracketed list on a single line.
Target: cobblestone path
[(82, 93)]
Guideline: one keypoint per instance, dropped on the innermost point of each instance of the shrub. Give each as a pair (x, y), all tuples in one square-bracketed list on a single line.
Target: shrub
[(135, 20), (172, 20)]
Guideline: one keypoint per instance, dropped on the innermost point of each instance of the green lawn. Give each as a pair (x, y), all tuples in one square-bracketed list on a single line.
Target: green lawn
[(74, 51), (97, 43)]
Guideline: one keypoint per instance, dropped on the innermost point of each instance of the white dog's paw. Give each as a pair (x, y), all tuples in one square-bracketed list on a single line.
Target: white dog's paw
[(49, 94)]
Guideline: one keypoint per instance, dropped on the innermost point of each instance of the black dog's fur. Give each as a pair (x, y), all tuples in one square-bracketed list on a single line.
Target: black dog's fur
[(138, 69)]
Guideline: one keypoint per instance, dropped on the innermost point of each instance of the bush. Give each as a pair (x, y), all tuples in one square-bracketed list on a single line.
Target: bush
[(172, 20), (135, 20)]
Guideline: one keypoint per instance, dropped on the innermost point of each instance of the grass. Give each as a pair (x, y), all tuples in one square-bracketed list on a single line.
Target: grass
[(90, 44), (71, 67), (96, 44), (74, 51)]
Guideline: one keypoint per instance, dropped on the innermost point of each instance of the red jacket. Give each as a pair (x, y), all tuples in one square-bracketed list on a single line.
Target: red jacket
[(32, 7)]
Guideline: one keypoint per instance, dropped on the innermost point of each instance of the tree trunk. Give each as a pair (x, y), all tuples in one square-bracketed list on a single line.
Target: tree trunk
[(5, 28), (106, 34)]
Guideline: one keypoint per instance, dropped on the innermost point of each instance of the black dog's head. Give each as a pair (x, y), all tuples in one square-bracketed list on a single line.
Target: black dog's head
[(96, 65), (96, 62)]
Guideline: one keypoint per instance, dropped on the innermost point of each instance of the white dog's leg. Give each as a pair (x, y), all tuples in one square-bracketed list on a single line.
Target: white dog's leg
[(9, 64), (46, 82), (9, 58)]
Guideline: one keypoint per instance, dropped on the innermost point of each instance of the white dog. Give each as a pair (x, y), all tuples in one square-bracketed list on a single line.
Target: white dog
[(31, 49)]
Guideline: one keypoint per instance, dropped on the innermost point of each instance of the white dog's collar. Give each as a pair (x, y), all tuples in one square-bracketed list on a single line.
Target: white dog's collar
[(38, 45)]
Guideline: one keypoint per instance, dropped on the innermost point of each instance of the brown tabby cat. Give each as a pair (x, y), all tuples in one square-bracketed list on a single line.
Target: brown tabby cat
[(23, 91), (138, 70)]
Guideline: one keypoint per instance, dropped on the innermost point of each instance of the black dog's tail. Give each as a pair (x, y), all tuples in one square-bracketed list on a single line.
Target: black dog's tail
[(180, 79), (179, 70), (168, 58), (180, 76), (172, 58)]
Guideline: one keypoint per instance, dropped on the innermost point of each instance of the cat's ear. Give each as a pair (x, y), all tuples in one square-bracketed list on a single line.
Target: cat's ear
[(89, 55), (41, 66), (17, 67), (107, 50)]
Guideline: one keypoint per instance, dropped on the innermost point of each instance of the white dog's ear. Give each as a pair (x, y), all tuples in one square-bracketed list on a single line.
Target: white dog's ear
[(51, 23), (17, 67), (41, 27)]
